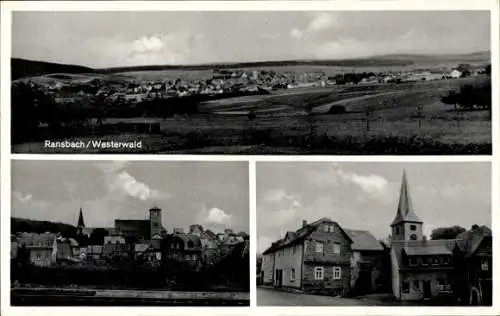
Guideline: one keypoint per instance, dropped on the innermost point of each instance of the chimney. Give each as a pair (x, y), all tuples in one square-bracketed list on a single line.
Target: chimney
[(304, 223)]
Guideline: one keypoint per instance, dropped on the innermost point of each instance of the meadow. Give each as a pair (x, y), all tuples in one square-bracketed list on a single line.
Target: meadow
[(380, 119)]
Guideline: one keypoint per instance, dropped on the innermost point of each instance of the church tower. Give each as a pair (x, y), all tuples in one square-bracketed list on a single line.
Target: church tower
[(155, 222), (81, 224), (406, 224)]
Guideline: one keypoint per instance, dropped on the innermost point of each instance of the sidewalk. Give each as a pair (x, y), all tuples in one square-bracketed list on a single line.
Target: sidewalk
[(140, 294)]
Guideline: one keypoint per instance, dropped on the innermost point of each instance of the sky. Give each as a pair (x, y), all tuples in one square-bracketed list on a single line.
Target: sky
[(364, 196), (110, 39), (213, 194)]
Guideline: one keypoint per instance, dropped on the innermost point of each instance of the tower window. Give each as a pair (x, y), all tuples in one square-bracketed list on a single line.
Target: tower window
[(397, 230), (413, 237), (413, 227)]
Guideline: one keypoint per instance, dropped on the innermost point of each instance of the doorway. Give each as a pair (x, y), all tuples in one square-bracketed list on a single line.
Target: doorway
[(427, 289), (279, 277)]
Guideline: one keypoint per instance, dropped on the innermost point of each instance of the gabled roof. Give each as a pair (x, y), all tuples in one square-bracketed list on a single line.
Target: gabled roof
[(301, 234), (427, 250), (36, 240), (141, 247), (405, 211), (363, 240), (471, 240)]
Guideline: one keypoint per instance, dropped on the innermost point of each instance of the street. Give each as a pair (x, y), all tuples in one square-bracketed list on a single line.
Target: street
[(270, 297)]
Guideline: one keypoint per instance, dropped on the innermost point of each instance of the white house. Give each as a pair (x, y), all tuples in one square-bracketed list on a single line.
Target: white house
[(455, 73)]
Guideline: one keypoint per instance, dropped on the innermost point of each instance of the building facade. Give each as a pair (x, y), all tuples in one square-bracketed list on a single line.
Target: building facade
[(315, 258)]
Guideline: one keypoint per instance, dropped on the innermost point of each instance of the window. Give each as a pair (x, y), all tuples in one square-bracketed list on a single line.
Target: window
[(413, 261), (435, 261), (485, 265), (190, 244), (413, 237), (337, 273), (318, 273), (194, 257), (416, 284), (406, 287), (397, 230), (294, 249), (336, 248), (319, 247), (413, 227), (292, 274), (446, 260), (329, 228)]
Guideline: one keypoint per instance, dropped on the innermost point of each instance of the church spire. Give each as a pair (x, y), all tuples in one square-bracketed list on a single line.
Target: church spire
[(405, 211), (81, 223)]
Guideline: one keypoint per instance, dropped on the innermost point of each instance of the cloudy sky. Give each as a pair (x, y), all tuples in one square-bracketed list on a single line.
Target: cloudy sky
[(105, 39), (213, 194), (365, 195)]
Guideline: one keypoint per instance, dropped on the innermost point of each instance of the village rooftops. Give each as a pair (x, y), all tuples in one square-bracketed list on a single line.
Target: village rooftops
[(32, 240)]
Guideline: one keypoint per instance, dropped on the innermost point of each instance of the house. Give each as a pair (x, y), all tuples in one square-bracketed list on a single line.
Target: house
[(367, 268), (473, 266), (116, 250), (183, 247), (64, 249), (455, 73), (420, 268), (315, 258), (42, 248), (114, 240)]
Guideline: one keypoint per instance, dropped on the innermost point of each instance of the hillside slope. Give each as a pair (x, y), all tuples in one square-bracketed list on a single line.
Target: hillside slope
[(22, 68)]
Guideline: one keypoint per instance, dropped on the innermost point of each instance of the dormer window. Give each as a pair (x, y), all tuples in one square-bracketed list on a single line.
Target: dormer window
[(413, 261), (329, 228)]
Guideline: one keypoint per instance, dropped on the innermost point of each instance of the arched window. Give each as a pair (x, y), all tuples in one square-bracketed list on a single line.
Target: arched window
[(190, 244), (413, 237)]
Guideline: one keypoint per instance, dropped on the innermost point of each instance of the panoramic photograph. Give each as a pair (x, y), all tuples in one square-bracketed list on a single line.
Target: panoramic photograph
[(274, 82), (374, 234), (116, 233)]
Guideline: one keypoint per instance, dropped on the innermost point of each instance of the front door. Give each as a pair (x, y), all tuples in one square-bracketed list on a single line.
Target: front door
[(427, 289), (279, 278)]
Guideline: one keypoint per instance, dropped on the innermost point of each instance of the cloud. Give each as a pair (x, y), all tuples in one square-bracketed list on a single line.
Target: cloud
[(22, 198), (214, 217), (127, 183), (320, 22), (296, 33), (121, 183), (278, 195)]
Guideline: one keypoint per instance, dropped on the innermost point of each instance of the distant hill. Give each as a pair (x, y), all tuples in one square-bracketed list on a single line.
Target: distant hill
[(26, 68), (33, 226), (22, 68), (472, 57)]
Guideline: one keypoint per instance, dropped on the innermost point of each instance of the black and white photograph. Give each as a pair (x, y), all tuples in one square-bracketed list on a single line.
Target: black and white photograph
[(374, 234), (117, 233), (251, 82)]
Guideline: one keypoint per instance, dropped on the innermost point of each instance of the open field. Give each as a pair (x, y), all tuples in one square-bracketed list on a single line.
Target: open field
[(281, 125)]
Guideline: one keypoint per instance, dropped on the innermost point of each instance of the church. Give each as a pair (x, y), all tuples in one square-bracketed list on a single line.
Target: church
[(141, 230), (423, 269)]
